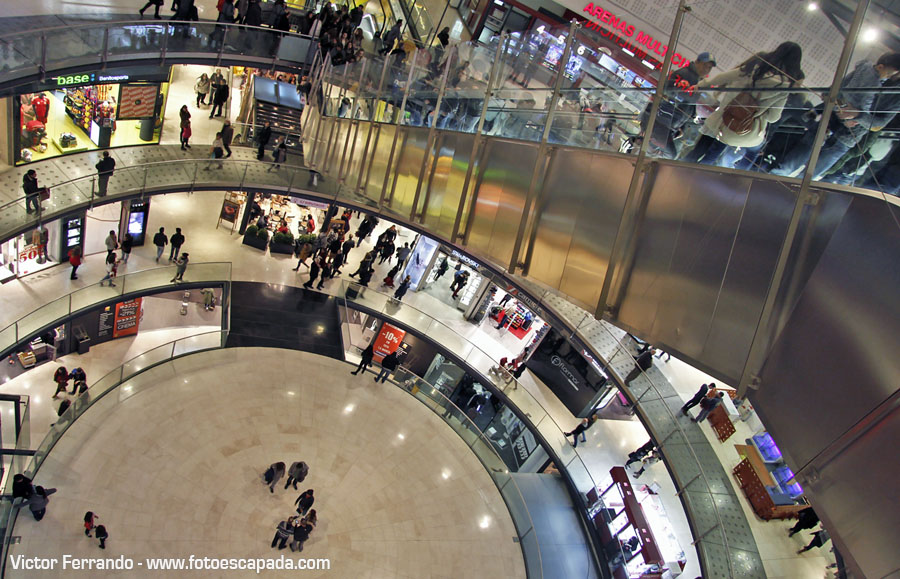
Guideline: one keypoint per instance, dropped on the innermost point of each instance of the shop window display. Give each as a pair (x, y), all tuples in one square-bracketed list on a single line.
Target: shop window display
[(85, 118)]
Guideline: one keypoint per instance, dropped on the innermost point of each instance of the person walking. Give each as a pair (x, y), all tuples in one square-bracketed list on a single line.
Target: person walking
[(33, 192), (314, 269), (296, 474), (365, 359), (304, 502), (707, 405), (156, 4), (642, 363), (579, 430), (325, 268), (180, 267), (112, 269), (820, 537), (386, 250), (102, 535), (388, 364), (216, 152), (365, 264), (127, 244), (227, 137), (283, 532), (111, 242), (37, 503), (346, 248), (262, 141), (279, 155), (505, 316), (202, 89), (89, 518), (305, 249), (460, 279), (219, 98), (185, 134), (640, 453), (105, 167), (175, 242), (442, 268), (403, 253), (696, 398), (652, 458), (61, 377), (273, 474), (402, 289), (806, 519), (160, 240), (74, 260)]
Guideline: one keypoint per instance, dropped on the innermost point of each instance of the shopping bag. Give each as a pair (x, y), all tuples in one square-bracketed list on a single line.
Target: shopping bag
[(45, 194)]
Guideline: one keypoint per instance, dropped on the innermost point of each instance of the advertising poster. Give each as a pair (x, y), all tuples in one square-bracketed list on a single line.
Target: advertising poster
[(127, 318), (136, 101), (419, 260), (387, 340), (230, 211)]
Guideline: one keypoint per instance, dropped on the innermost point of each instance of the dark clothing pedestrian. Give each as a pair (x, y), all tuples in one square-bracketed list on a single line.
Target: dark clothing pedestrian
[(282, 533), (301, 535), (402, 289), (127, 244), (442, 268), (644, 362), (37, 503), (314, 269), (806, 519), (61, 377), (105, 168), (365, 276), (365, 359), (32, 192), (579, 431), (102, 535), (305, 502), (262, 141), (388, 365), (156, 4), (220, 97), (296, 474), (22, 487), (707, 405), (273, 474), (325, 272), (175, 243), (695, 400), (160, 240), (819, 538), (227, 137)]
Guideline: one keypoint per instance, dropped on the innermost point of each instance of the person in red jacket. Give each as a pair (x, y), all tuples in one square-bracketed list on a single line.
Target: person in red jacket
[(74, 260), (61, 377)]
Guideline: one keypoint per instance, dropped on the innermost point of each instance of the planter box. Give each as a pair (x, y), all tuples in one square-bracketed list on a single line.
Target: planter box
[(284, 248), (254, 241)]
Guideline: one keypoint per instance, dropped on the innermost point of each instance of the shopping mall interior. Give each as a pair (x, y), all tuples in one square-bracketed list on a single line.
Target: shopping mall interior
[(617, 265)]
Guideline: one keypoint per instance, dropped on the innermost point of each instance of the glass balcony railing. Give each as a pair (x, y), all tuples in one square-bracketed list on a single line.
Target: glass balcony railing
[(130, 283)]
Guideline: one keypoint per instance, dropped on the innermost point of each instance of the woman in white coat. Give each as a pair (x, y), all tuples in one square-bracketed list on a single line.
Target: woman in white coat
[(757, 92)]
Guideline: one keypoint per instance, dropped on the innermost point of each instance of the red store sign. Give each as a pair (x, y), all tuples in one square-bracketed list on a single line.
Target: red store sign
[(617, 29)]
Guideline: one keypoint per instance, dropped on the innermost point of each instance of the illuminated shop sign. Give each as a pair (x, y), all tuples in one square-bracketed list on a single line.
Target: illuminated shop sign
[(619, 30), (91, 78)]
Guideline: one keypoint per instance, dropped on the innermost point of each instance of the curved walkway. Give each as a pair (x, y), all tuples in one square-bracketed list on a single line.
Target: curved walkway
[(184, 475), (711, 503)]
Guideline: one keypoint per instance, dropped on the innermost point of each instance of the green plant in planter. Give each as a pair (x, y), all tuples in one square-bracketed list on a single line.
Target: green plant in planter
[(252, 230), (283, 238), (263, 234)]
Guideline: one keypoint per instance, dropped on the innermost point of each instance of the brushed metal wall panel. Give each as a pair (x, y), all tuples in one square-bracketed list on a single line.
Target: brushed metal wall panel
[(354, 152), (321, 144), (836, 358), (681, 255), (583, 198), (501, 198), (447, 182), (379, 160), (410, 156), (333, 161), (742, 295)]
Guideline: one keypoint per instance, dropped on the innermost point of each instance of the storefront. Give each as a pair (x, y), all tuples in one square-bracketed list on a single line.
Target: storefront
[(33, 251), (276, 221), (89, 111)]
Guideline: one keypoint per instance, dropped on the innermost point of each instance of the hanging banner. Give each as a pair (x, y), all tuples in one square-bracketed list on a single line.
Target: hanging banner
[(127, 319), (387, 341)]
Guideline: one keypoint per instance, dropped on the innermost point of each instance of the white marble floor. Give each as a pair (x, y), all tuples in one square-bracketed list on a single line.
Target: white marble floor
[(173, 466)]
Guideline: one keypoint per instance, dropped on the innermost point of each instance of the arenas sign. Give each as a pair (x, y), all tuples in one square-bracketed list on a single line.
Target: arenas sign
[(628, 36)]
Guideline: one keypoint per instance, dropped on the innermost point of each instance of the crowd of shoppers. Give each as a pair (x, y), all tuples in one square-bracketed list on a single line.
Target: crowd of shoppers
[(296, 528)]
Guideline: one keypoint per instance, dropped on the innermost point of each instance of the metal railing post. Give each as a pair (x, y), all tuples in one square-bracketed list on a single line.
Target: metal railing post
[(542, 157), (429, 141), (332, 145), (373, 124), (390, 161), (354, 123), (314, 91), (103, 57), (165, 45), (479, 140), (42, 67)]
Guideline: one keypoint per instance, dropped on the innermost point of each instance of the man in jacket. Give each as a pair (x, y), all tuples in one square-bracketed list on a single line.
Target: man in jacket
[(220, 97), (391, 37), (305, 502), (707, 405), (160, 240), (388, 364), (227, 137), (105, 168), (695, 400), (644, 362), (296, 473), (262, 140), (857, 113), (176, 241), (37, 503), (32, 191)]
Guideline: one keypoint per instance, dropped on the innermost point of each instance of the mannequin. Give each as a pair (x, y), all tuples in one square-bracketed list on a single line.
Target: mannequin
[(41, 105)]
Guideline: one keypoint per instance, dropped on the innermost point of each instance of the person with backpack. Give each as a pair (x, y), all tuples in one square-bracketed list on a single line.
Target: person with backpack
[(61, 377), (273, 474), (757, 92)]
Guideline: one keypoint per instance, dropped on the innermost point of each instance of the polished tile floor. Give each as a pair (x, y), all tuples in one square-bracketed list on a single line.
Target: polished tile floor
[(174, 469)]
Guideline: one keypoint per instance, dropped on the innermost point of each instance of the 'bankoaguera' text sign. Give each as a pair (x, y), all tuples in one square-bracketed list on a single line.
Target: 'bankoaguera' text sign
[(620, 28)]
